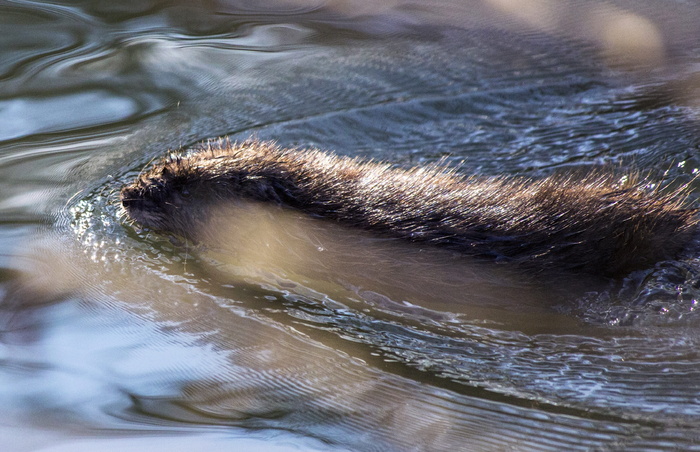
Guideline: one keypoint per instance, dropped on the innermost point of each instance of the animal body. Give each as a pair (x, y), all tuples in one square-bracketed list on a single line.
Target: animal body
[(595, 224)]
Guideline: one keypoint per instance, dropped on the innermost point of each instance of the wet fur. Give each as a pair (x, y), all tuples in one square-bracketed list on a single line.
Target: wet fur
[(593, 224)]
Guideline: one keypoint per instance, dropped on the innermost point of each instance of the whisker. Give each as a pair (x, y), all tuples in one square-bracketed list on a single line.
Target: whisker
[(72, 198)]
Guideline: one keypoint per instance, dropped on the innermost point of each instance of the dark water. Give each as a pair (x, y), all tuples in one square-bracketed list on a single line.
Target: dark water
[(299, 335)]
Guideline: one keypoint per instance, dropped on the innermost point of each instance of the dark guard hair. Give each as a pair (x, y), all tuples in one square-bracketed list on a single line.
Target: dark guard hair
[(593, 224)]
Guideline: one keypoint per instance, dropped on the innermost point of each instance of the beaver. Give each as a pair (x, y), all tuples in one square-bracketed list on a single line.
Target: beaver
[(595, 223)]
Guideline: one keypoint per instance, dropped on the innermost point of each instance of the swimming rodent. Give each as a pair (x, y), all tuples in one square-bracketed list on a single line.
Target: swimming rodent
[(594, 224)]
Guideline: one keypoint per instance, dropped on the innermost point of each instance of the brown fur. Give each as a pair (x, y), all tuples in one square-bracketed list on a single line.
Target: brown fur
[(593, 224)]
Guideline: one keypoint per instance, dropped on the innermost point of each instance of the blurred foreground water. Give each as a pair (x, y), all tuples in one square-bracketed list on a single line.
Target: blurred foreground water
[(299, 335)]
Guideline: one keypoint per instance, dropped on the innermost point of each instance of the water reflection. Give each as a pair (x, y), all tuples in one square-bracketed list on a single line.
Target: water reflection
[(23, 117), (189, 360)]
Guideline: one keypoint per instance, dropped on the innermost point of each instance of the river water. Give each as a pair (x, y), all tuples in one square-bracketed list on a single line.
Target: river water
[(301, 335)]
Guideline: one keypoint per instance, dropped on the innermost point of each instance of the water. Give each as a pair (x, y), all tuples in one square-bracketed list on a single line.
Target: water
[(298, 335)]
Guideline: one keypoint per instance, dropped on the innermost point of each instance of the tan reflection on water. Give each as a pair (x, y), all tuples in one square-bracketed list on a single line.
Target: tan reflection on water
[(626, 38), (284, 246)]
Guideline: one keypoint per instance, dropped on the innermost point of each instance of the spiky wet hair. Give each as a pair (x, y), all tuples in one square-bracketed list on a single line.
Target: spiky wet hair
[(597, 223)]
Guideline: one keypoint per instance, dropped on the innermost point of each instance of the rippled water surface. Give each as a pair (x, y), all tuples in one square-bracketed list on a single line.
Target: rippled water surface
[(301, 335)]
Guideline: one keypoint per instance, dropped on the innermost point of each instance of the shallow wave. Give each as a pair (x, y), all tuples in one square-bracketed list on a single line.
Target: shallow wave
[(316, 352)]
